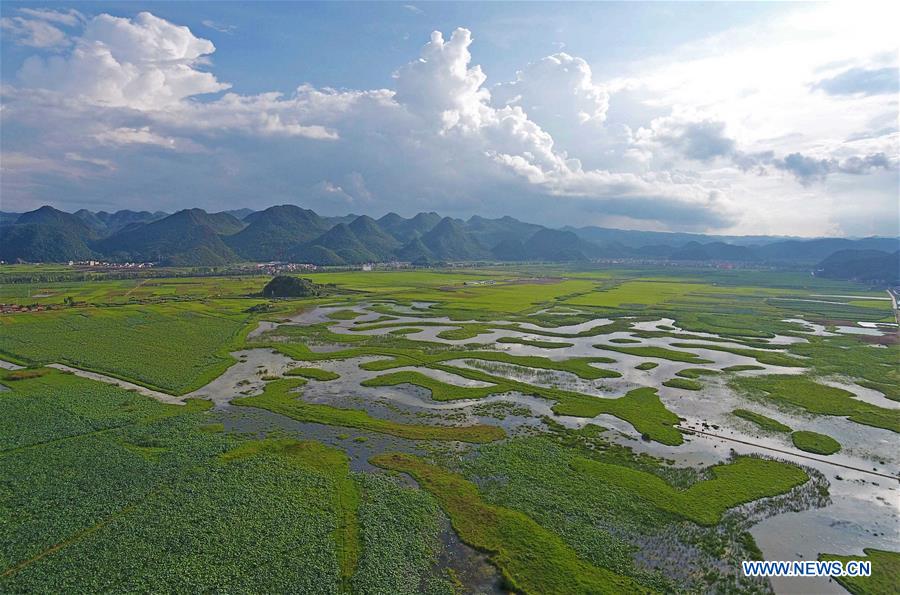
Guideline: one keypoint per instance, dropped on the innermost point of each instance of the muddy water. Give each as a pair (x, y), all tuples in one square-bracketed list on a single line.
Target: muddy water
[(812, 328), (244, 377)]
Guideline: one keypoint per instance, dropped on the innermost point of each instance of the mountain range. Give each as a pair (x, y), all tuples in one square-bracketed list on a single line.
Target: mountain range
[(194, 237)]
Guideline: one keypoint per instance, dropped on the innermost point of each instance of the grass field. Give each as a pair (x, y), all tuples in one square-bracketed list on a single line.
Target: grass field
[(815, 443), (766, 423), (174, 347), (532, 559), (743, 480), (800, 391), (885, 572)]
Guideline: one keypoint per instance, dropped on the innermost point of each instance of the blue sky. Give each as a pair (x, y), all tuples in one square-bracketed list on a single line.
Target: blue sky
[(718, 117)]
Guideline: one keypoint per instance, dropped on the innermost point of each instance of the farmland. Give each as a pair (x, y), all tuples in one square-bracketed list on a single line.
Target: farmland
[(539, 429)]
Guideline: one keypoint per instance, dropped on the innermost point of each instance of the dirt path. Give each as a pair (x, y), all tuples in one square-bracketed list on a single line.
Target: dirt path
[(128, 293), (143, 390)]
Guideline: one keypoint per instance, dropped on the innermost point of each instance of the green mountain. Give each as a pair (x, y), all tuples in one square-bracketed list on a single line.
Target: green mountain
[(448, 240), (276, 233), (491, 232), (417, 252), (509, 249), (406, 229), (224, 224), (341, 240), (46, 235), (714, 251), (317, 255), (187, 238), (868, 266), (61, 220), (558, 245), (42, 243), (374, 238)]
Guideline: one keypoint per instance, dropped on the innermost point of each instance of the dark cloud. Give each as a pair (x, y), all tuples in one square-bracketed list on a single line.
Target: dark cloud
[(810, 169), (861, 81), (701, 140), (705, 140)]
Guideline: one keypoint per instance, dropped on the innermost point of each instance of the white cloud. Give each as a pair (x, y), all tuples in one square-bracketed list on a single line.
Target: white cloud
[(413, 8), (68, 18), (144, 136), (556, 91), (33, 33), (144, 63), (217, 26)]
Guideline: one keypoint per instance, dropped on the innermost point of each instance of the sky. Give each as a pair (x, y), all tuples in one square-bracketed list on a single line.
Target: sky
[(724, 118)]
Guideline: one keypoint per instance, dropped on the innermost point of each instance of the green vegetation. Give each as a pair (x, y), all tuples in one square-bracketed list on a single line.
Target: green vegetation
[(819, 444), (607, 524), (743, 480), (683, 383), (175, 348), (284, 286), (849, 356), (440, 391), (885, 572), (646, 366), (802, 392), (695, 373), (658, 352), (313, 373), (532, 559), (533, 343), (279, 398), (766, 423), (149, 499), (400, 536), (742, 368), (330, 463), (636, 294), (344, 315), (763, 357), (640, 407)]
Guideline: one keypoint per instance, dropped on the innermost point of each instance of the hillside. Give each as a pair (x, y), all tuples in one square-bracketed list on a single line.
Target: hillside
[(187, 238), (868, 266), (291, 233), (276, 233)]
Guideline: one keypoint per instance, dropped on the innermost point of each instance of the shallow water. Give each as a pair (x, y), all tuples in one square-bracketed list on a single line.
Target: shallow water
[(858, 330)]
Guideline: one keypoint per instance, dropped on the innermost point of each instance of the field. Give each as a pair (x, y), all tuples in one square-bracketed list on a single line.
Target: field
[(536, 429)]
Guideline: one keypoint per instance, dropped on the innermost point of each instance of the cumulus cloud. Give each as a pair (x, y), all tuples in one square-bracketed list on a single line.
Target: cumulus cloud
[(142, 63), (440, 86), (556, 90), (131, 92), (862, 81), (698, 139)]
